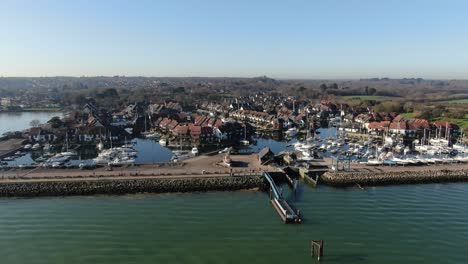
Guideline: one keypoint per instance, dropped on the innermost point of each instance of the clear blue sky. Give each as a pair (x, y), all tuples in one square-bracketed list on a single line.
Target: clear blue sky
[(281, 39)]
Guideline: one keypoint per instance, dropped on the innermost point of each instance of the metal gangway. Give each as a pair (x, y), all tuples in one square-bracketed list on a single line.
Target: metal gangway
[(282, 207)]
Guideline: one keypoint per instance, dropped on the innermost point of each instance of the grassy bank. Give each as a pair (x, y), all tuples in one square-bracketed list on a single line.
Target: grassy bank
[(41, 109), (370, 97)]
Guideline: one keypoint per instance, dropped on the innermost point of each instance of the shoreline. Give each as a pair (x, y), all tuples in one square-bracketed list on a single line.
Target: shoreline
[(33, 110)]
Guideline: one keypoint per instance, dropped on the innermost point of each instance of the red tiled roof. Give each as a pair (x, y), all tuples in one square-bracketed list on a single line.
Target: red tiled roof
[(444, 124), (181, 130), (195, 130), (399, 125)]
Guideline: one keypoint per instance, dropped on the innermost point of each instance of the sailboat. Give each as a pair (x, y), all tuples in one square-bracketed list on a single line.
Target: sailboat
[(245, 141)]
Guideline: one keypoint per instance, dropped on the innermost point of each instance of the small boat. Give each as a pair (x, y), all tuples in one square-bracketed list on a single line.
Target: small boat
[(84, 165), (101, 160), (389, 162), (118, 162), (27, 146), (400, 161), (41, 159), (291, 132), (412, 161), (152, 135), (57, 164), (36, 146), (162, 142), (374, 162), (195, 151), (245, 142)]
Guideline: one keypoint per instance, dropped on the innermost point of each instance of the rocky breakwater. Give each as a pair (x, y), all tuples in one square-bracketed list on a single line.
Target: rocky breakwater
[(128, 186), (343, 179)]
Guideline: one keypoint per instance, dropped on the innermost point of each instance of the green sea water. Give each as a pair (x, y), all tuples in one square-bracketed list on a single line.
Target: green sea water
[(394, 224)]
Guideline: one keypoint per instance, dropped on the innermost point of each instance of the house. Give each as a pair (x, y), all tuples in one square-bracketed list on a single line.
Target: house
[(207, 134), (400, 128), (378, 127), (182, 132), (445, 128), (37, 134), (195, 132)]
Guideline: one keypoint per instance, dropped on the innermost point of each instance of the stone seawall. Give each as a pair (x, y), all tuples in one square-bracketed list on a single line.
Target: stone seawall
[(343, 179), (128, 186)]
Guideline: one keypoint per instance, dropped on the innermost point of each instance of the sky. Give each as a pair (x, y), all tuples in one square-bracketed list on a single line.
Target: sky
[(310, 39)]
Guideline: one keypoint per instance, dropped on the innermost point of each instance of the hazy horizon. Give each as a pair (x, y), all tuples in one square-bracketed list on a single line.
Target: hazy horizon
[(240, 77), (306, 40)]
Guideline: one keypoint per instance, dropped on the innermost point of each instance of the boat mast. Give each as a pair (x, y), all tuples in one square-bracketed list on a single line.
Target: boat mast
[(66, 141), (245, 131)]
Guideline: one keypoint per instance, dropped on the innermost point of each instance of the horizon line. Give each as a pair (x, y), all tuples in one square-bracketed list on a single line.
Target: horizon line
[(238, 77)]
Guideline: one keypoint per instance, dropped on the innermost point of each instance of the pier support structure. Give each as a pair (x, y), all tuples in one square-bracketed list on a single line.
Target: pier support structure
[(316, 248), (341, 163)]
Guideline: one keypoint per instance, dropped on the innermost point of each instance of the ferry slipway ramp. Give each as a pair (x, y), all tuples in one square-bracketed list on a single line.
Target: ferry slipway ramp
[(287, 214)]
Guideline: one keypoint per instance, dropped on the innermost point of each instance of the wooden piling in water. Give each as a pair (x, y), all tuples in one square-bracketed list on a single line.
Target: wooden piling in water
[(316, 248)]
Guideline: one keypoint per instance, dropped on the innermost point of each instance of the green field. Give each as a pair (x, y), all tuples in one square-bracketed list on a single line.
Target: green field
[(370, 97), (41, 109), (407, 115), (461, 122), (458, 101)]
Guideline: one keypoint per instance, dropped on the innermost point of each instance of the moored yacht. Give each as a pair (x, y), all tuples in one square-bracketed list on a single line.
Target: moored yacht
[(36, 146), (291, 132)]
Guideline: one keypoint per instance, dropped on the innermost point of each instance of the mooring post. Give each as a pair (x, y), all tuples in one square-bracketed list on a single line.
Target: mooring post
[(320, 250), (316, 246), (312, 248)]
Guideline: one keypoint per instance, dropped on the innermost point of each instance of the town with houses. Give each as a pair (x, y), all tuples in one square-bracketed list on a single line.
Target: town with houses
[(233, 121)]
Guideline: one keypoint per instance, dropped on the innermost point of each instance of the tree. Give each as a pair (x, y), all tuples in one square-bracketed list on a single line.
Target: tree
[(323, 87), (389, 106), (408, 107), (424, 114), (55, 122), (80, 99), (110, 92), (179, 90), (35, 123)]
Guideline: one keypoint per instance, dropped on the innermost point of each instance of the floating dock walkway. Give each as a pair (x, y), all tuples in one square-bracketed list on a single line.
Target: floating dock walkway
[(282, 207)]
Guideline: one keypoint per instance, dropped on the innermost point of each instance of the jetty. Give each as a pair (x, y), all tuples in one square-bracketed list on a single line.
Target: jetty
[(287, 214)]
